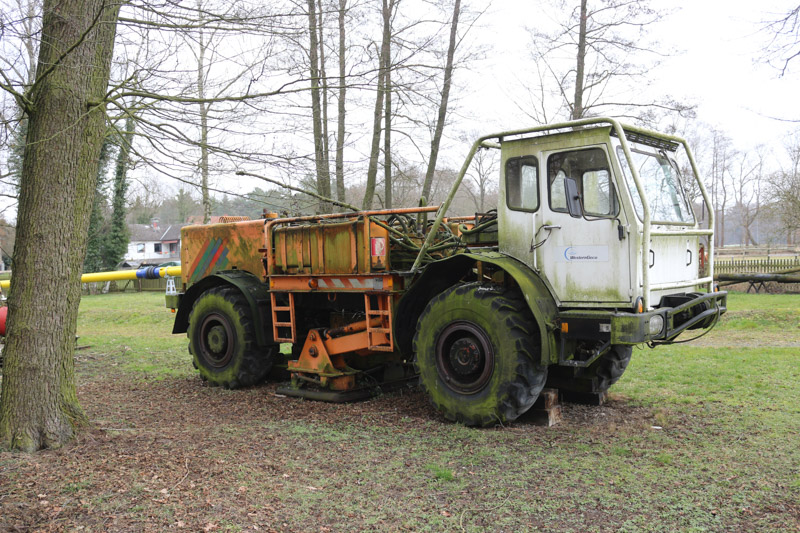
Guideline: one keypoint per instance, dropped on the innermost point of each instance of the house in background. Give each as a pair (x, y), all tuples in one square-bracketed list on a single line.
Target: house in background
[(151, 244)]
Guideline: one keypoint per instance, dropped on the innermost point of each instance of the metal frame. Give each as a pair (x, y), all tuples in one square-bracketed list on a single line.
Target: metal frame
[(647, 232)]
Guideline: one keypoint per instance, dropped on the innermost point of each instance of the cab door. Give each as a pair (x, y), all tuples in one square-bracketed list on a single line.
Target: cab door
[(586, 258)]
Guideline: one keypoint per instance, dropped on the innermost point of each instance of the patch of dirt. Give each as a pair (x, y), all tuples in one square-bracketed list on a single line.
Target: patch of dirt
[(166, 454), (178, 454)]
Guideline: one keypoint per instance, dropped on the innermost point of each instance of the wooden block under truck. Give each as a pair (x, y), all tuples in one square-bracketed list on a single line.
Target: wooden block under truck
[(593, 249)]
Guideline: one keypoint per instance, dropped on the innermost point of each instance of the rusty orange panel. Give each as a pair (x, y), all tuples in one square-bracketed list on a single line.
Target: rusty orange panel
[(287, 245), (210, 248), (350, 247)]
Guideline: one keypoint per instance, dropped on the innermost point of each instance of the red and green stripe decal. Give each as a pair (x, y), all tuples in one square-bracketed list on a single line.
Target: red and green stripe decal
[(212, 257)]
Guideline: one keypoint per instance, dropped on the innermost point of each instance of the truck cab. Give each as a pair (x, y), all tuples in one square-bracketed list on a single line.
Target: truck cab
[(602, 214), (599, 211)]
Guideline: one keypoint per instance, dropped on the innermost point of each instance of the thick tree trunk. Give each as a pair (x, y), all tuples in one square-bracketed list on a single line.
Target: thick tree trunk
[(577, 106), (340, 190), (39, 406), (440, 119)]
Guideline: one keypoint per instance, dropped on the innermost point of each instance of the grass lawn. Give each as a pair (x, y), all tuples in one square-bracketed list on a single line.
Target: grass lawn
[(700, 436)]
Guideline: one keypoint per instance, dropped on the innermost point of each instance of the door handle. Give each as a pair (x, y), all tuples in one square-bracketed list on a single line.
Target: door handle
[(652, 258), (690, 257), (534, 244)]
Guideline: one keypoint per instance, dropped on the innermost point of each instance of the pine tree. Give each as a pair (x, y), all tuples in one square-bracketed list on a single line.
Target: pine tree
[(116, 242), (97, 222)]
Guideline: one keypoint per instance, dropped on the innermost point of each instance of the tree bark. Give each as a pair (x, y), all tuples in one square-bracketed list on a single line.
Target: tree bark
[(340, 119), (440, 119), (39, 405), (577, 106)]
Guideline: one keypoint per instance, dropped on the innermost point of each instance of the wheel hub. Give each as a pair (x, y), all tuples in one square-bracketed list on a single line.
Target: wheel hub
[(464, 357), (216, 341)]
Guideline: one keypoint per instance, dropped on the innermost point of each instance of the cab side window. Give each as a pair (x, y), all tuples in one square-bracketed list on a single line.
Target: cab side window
[(522, 183), (590, 170)]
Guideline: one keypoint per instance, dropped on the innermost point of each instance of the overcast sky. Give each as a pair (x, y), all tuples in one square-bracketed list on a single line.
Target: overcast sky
[(733, 89), (717, 67)]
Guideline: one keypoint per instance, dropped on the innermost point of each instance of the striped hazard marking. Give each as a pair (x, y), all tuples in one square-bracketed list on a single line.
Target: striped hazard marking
[(350, 283)]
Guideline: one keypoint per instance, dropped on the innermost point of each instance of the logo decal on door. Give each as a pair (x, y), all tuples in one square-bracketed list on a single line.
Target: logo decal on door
[(584, 254)]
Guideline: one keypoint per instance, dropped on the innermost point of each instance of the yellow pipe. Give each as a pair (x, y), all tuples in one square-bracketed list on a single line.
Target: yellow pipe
[(117, 275)]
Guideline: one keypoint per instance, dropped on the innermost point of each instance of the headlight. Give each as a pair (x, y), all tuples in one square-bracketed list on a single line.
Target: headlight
[(656, 324)]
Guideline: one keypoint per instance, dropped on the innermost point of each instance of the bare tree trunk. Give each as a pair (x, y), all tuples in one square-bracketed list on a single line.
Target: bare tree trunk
[(387, 113), (577, 106), (372, 168), (201, 94), (29, 42), (323, 172), (340, 190), (440, 120), (324, 95), (720, 163), (39, 406)]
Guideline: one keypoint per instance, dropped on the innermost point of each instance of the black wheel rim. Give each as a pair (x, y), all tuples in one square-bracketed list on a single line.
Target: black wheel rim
[(464, 357), (216, 340)]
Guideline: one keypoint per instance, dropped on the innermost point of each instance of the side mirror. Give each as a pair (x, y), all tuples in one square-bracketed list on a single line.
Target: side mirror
[(573, 198)]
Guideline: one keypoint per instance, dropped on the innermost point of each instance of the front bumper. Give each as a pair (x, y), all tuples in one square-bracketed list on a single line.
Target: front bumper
[(697, 311)]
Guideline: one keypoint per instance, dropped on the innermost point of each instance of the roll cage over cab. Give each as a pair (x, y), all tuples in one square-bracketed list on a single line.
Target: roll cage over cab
[(605, 220)]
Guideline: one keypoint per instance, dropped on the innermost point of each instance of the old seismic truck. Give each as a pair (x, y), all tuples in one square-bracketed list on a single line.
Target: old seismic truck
[(593, 249)]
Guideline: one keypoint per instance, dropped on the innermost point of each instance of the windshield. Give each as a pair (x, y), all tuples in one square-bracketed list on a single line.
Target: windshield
[(661, 183)]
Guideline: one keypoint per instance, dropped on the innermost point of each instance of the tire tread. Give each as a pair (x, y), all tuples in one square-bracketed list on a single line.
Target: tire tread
[(521, 393), (255, 362)]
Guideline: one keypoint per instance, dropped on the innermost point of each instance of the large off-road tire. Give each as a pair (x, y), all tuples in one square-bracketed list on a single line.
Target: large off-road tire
[(222, 340), (478, 354), (598, 377), (610, 366)]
